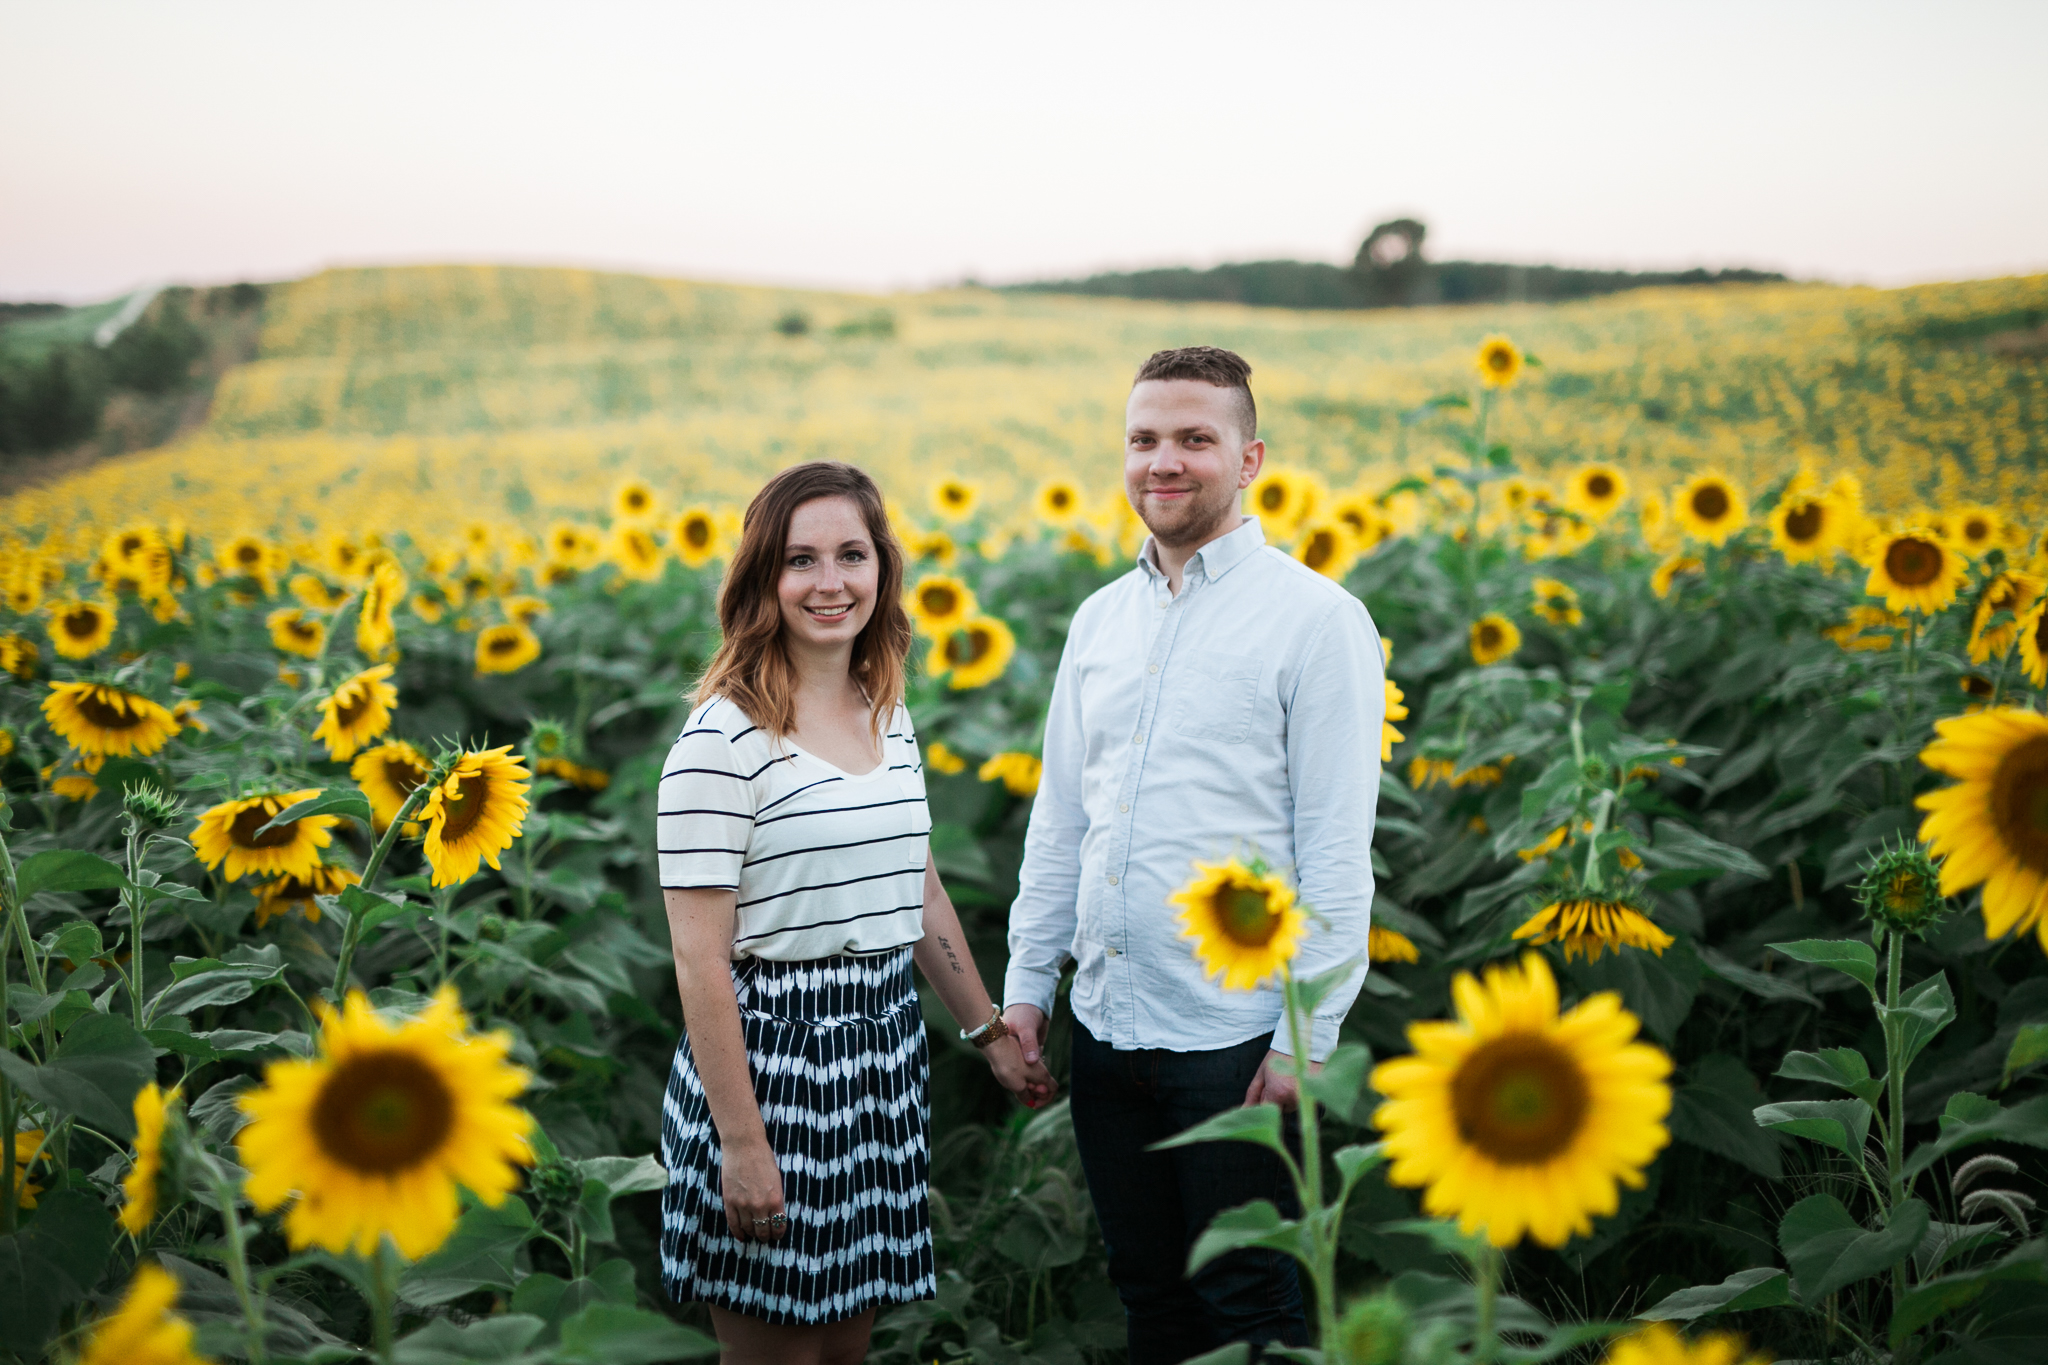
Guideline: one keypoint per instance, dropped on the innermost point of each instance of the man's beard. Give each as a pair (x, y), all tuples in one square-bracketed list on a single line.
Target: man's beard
[(1187, 520)]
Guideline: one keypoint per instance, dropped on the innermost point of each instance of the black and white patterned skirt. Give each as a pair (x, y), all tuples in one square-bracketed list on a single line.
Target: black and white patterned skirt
[(837, 1049)]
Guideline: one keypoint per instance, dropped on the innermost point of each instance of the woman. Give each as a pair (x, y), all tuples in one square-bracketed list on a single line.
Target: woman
[(795, 862)]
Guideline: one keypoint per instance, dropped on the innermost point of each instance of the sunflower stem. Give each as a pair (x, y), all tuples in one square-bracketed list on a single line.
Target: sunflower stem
[(354, 929), (1485, 1335), (1895, 1097), (7, 1197), (131, 898), (383, 1289), (224, 1194), (1322, 1270)]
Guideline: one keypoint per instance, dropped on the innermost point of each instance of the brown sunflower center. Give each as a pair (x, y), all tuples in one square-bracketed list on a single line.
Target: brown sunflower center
[(1489, 636), (383, 1112), (129, 544), (107, 715), (505, 642), (1499, 359), (968, 647), (1322, 548), (1710, 503), (697, 532), (1520, 1099), (1272, 497), (1245, 914), (304, 630), (636, 500), (1976, 530), (462, 810), (1977, 685), (940, 600), (1912, 562), (1061, 499), (1600, 486), (243, 831), (2019, 803), (1803, 523), (953, 494), (246, 553), (351, 704), (403, 774), (80, 622)]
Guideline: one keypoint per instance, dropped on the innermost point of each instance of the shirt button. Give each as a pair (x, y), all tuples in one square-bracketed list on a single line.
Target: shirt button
[(1137, 739), (1153, 668), (1112, 952), (1112, 879), (1124, 806)]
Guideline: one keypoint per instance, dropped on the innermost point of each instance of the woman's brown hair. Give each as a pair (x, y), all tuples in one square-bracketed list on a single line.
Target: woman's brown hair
[(752, 668)]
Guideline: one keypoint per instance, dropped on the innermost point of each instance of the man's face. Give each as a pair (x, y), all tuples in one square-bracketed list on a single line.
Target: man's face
[(1186, 462)]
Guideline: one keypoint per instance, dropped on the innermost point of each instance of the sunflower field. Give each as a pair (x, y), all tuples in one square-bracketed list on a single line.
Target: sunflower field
[(1708, 993)]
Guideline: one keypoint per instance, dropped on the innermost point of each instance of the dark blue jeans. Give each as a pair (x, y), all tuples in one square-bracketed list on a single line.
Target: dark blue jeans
[(1153, 1205)]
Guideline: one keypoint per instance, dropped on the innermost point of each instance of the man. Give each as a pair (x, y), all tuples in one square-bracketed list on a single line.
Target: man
[(1219, 699)]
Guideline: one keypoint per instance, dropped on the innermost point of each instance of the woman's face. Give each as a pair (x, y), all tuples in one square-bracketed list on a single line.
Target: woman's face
[(829, 574)]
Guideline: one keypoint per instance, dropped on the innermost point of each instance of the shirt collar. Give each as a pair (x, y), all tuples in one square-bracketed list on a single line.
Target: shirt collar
[(1218, 557)]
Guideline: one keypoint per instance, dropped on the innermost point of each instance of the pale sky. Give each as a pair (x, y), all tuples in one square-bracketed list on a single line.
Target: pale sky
[(880, 146)]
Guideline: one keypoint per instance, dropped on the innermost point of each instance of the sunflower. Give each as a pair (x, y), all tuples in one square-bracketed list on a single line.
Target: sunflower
[(954, 498), (1518, 1120), (941, 604), (276, 899), (1327, 547), (474, 815), (250, 557), (343, 557), (940, 758), (1279, 498), (1019, 773), (1499, 362), (19, 655), (387, 774), (375, 630), (975, 655), (1973, 530), (356, 712), (1390, 945), (1397, 709), (936, 546), (428, 609), (589, 779), (227, 833), (99, 720), (372, 1137), (695, 536), (2012, 594), (1655, 522), (21, 590), (1992, 826), (1058, 502), (295, 632), (637, 553), (1708, 508), (144, 1330), (28, 1149), (313, 593), (1805, 528), (72, 787), (1557, 603), (1547, 845), (505, 649), (1658, 1343), (1243, 920), (634, 500), (80, 630), (1428, 772), (2033, 630), (138, 1188), (1494, 638), (1914, 570), (1597, 491), (1587, 924)]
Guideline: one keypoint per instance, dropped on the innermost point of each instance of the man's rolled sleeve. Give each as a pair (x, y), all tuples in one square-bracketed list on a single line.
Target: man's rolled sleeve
[(1333, 768)]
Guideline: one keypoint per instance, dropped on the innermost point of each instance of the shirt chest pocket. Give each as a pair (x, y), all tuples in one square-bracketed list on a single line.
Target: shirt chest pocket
[(1216, 695)]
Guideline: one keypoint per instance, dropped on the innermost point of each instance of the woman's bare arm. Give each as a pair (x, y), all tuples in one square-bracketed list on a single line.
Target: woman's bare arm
[(942, 955), (700, 923)]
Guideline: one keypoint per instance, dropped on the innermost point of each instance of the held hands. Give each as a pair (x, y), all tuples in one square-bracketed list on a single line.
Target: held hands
[(1275, 1082), (1016, 1059), (752, 1186)]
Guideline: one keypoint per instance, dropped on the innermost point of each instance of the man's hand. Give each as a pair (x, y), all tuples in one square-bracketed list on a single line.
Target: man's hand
[(1027, 1023), (1275, 1082)]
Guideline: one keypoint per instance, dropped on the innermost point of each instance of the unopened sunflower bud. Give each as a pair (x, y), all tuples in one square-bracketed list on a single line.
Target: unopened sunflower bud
[(1901, 890)]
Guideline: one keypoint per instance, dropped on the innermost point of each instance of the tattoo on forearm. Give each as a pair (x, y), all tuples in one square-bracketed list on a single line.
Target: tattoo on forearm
[(952, 957)]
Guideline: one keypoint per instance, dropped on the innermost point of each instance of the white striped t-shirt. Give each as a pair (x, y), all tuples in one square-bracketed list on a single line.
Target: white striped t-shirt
[(825, 862)]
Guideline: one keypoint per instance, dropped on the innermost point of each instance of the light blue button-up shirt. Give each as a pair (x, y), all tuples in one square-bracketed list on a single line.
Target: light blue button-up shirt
[(1241, 716)]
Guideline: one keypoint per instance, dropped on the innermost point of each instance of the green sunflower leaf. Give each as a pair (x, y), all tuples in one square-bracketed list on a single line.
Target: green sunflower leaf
[(351, 803)]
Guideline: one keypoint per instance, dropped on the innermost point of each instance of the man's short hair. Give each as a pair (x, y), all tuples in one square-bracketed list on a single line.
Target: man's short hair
[(1209, 365)]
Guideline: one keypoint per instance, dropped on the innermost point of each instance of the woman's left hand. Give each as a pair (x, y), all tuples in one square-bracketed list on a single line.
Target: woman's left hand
[(1028, 1081)]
